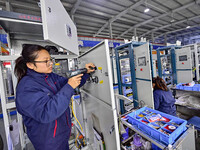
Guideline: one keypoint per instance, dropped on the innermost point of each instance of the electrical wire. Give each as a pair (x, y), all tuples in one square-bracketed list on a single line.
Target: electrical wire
[(78, 146), (78, 124), (76, 140)]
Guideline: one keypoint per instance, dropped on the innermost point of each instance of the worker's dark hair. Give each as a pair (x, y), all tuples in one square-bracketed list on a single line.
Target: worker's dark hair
[(29, 54), (159, 84)]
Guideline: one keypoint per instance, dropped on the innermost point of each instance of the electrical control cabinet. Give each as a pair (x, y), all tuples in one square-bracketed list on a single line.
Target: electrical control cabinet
[(194, 48), (134, 73), (98, 98), (143, 74), (184, 65), (175, 64)]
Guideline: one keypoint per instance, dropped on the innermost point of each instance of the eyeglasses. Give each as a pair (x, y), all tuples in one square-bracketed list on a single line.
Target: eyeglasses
[(48, 62)]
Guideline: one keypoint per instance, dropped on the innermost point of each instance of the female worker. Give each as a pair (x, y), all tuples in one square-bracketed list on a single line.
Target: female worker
[(43, 98), (163, 99)]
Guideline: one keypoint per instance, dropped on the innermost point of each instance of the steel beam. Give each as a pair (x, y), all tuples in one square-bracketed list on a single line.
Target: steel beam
[(97, 20), (25, 5), (66, 4), (158, 17), (135, 32), (110, 30), (119, 15), (178, 22), (8, 6), (75, 7), (78, 16), (181, 34), (177, 30), (152, 37)]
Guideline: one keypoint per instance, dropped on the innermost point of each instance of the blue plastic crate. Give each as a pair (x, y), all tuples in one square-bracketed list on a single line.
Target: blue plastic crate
[(195, 121), (196, 87), (179, 86), (142, 124), (154, 147), (187, 88)]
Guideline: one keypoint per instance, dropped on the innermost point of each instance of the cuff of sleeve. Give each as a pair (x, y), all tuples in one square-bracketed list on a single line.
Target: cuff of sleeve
[(69, 90), (86, 75)]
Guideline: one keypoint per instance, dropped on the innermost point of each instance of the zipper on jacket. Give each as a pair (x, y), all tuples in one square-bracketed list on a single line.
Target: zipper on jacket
[(49, 84), (68, 125), (54, 134)]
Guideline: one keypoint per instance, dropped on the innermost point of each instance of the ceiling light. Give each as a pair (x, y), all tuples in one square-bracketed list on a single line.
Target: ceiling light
[(146, 10), (188, 27), (172, 20)]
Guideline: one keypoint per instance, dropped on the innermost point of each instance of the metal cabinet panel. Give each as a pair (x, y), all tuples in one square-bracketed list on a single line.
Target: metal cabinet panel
[(58, 26)]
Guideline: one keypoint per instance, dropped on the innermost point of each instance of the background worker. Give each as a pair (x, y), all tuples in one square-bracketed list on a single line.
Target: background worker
[(163, 99)]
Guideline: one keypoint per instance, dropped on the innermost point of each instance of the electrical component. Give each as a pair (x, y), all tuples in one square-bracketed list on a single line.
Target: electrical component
[(95, 79), (129, 94)]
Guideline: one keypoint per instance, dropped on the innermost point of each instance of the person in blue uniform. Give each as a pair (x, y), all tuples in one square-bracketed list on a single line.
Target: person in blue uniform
[(43, 98), (163, 99)]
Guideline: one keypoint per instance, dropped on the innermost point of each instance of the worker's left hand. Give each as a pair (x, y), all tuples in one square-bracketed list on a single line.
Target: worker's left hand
[(88, 67)]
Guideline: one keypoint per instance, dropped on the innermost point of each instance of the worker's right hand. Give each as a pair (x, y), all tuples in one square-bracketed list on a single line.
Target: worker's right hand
[(75, 81)]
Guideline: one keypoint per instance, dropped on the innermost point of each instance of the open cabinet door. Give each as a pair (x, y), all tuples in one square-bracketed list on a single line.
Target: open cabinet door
[(58, 26), (98, 98), (143, 74)]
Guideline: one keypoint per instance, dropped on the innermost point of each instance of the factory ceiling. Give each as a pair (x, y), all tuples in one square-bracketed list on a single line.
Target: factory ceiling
[(122, 19)]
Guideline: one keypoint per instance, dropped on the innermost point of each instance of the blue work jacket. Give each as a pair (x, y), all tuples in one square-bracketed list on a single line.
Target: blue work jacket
[(43, 101), (164, 102)]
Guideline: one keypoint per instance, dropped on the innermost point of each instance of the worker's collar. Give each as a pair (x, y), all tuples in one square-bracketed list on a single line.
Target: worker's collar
[(36, 74)]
